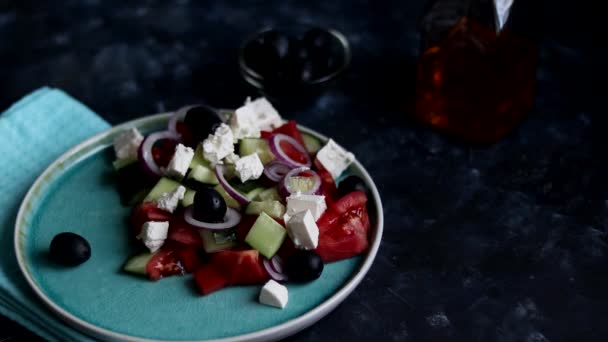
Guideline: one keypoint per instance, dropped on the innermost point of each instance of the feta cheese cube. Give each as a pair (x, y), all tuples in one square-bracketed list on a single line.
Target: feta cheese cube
[(243, 123), (249, 167), (168, 201), (301, 202), (218, 145), (153, 234), (274, 294), (303, 230), (232, 158), (127, 143), (266, 116), (334, 158), (178, 166)]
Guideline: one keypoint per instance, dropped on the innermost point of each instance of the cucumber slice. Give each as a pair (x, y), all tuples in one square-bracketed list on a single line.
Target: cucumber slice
[(266, 235), (313, 145), (251, 195), (252, 145), (188, 198), (274, 209), (164, 185), (120, 163), (271, 194), (231, 202), (198, 158), (218, 241), (203, 174), (137, 264), (301, 184)]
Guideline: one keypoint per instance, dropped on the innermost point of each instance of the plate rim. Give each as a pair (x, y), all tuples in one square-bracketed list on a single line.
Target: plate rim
[(272, 333)]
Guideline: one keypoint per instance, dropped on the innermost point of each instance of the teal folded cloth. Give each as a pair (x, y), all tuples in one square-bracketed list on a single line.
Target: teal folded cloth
[(33, 133)]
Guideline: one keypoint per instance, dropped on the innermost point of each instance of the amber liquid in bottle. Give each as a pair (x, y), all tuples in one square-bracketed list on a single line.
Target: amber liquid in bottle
[(476, 84)]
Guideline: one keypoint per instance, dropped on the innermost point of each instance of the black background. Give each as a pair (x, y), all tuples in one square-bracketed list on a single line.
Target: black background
[(498, 243)]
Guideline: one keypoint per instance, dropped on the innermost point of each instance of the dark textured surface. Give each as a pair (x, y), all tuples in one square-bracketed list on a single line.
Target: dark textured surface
[(499, 243)]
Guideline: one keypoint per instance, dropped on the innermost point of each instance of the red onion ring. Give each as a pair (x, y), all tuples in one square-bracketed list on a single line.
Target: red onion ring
[(145, 150), (219, 173), (277, 263), (276, 170), (274, 274), (285, 190), (231, 219), (178, 115), (275, 148)]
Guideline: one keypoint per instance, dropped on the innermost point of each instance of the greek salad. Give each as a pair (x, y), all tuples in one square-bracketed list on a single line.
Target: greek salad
[(238, 198)]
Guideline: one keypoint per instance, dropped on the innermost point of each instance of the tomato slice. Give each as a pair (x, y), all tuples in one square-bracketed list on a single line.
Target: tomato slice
[(208, 279), (289, 128), (328, 185), (344, 228), (145, 212), (228, 268), (164, 263), (182, 232), (162, 151)]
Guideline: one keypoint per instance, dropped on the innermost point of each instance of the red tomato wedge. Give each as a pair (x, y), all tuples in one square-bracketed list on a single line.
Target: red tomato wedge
[(289, 128), (328, 185), (145, 212), (208, 279), (344, 228), (228, 268), (164, 263), (182, 232)]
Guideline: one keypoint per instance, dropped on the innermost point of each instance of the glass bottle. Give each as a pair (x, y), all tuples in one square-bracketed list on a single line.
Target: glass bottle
[(476, 73)]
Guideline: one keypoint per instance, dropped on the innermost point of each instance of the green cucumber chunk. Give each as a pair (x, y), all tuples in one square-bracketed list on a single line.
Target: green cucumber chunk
[(301, 184), (163, 185), (137, 264), (231, 202), (218, 241), (251, 195), (274, 209), (249, 146), (188, 198), (198, 159), (313, 145), (203, 174), (120, 163), (266, 235), (271, 194)]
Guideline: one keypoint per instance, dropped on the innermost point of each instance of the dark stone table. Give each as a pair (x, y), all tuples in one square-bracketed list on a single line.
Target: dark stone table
[(499, 243)]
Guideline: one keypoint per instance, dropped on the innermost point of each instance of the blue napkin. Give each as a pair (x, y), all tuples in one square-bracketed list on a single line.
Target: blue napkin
[(33, 133)]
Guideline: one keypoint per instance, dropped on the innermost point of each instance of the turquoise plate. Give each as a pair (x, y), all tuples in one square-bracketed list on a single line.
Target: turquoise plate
[(76, 193)]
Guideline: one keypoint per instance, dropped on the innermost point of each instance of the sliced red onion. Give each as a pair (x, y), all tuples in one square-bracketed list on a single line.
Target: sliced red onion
[(277, 150), (277, 263), (274, 274), (285, 190), (232, 218), (276, 170), (145, 150), (232, 192), (177, 116)]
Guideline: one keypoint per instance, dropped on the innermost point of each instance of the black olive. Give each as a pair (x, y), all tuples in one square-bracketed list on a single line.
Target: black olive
[(209, 206), (69, 249), (201, 120), (304, 266), (350, 184)]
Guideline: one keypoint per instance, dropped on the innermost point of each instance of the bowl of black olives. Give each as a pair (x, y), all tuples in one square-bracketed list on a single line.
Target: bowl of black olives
[(292, 64)]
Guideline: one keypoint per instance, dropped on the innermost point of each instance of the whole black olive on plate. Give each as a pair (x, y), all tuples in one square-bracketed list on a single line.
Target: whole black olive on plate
[(304, 266), (201, 121), (350, 184), (69, 249), (209, 206)]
